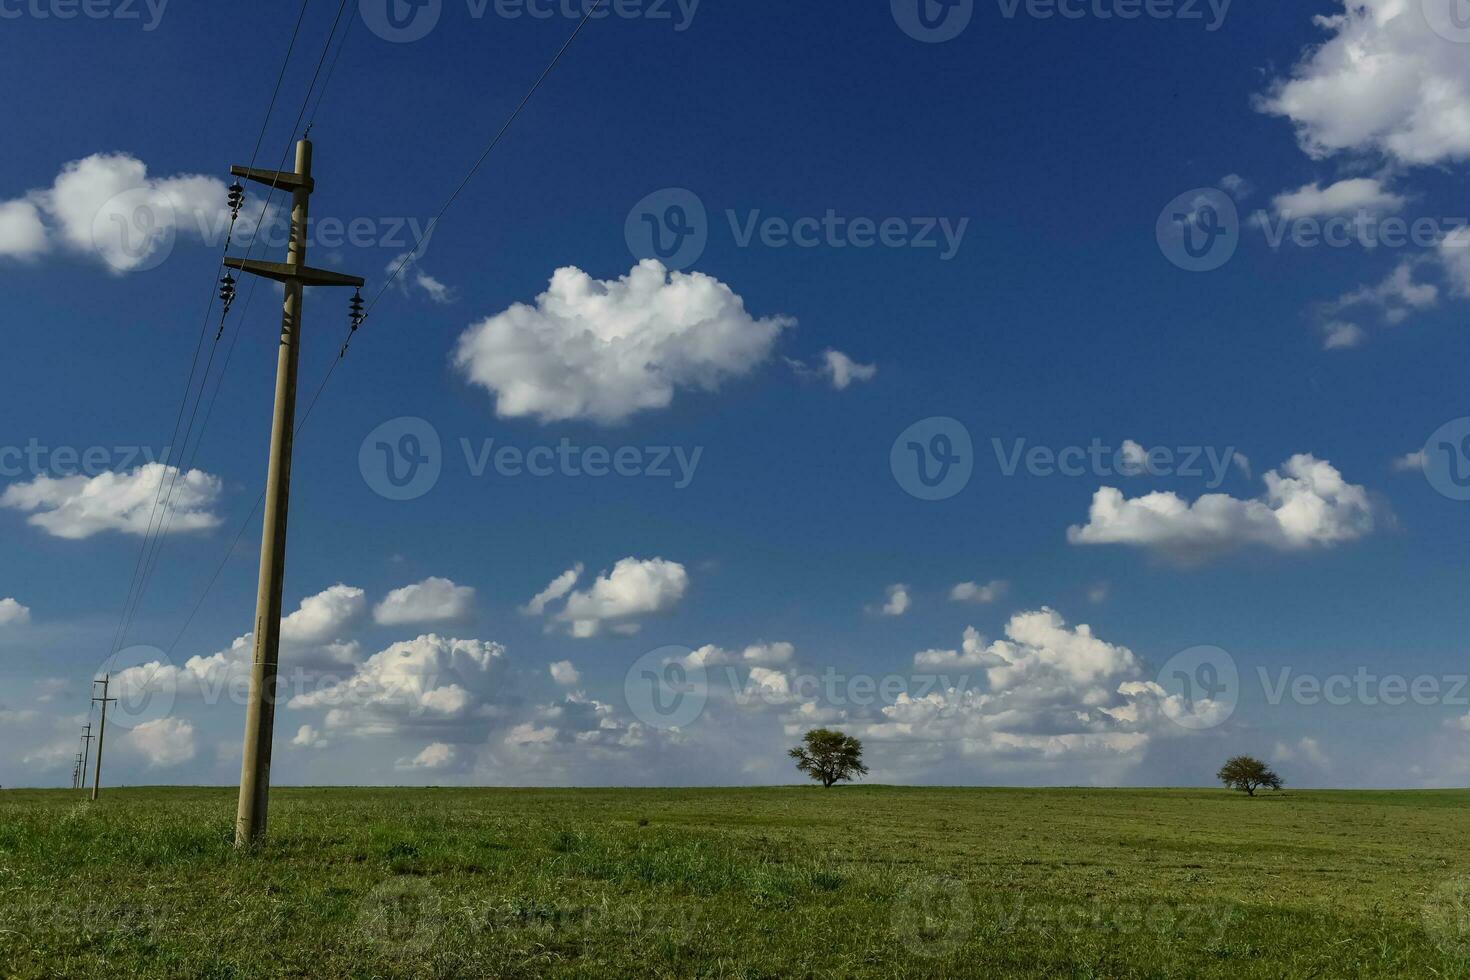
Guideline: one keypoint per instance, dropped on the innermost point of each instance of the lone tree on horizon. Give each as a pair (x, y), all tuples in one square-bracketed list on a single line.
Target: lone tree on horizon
[(829, 756), (1248, 774)]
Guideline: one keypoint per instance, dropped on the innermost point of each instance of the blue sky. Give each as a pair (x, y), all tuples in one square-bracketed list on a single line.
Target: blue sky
[(1029, 287)]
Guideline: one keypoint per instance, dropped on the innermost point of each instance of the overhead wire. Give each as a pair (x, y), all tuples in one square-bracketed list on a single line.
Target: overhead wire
[(397, 272), (186, 456), (129, 602)]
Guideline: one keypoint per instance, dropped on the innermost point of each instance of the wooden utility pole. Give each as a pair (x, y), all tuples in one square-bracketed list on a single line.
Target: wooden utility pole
[(86, 753), (101, 731), (255, 767)]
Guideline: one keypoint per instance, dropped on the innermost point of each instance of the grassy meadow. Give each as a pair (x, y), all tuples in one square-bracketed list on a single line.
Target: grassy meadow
[(858, 881)]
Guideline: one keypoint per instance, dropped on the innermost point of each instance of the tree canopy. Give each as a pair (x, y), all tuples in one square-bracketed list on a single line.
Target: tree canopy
[(829, 756), (1248, 775)]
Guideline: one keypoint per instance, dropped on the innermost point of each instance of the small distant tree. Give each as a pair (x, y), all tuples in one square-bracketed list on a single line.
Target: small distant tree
[(1248, 775), (829, 756)]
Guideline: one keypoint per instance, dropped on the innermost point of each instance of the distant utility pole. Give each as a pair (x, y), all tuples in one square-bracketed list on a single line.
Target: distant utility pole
[(101, 731), (87, 737), (83, 756), (255, 768), (76, 772)]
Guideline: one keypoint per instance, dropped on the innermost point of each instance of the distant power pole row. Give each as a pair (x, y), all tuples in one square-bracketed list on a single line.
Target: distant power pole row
[(79, 768), (86, 754)]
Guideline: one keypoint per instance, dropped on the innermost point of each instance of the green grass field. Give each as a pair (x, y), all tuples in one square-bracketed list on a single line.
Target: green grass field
[(856, 881)]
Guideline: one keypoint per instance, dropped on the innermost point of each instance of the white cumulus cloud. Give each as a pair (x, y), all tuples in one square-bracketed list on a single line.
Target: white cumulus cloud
[(106, 205), (1307, 504), (22, 234), (434, 600), (1357, 194), (842, 370), (308, 737), (576, 724), (971, 654), (1454, 256), (163, 742), (12, 613), (635, 587), (77, 507), (314, 637), (1342, 335), (1395, 299), (1307, 750), (605, 350), (408, 271), (565, 673), (755, 655), (553, 592), (324, 617), (431, 683), (1410, 462), (896, 600), (1046, 694), (435, 755), (1382, 82), (975, 592)]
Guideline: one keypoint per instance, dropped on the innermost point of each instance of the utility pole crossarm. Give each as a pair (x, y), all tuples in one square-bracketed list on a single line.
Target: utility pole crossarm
[(276, 178), (281, 272)]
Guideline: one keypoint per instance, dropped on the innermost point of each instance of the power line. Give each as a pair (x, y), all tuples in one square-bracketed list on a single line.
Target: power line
[(326, 83), (424, 236), (167, 519), (250, 296), (133, 595), (505, 127), (186, 458)]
